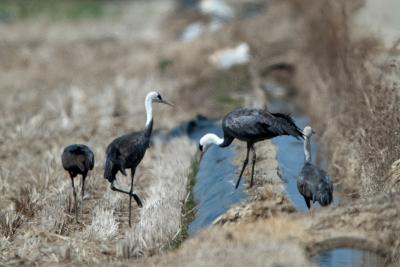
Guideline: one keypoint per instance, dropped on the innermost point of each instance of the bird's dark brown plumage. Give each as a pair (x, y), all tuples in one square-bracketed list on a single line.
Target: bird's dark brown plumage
[(77, 159), (315, 185), (126, 152), (252, 125)]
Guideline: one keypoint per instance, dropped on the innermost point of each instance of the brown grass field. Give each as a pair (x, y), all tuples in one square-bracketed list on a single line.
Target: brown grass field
[(79, 74)]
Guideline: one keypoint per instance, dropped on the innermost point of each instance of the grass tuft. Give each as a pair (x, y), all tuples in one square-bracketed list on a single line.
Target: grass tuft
[(26, 201), (9, 222), (160, 218), (104, 225), (189, 207)]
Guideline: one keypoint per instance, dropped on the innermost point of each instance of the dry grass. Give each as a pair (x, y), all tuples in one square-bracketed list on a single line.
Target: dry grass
[(104, 225), (159, 221), (84, 82), (9, 222), (250, 244)]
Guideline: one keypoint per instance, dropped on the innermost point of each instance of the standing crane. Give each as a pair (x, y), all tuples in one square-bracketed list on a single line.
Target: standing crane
[(251, 125), (127, 151), (77, 159), (313, 183)]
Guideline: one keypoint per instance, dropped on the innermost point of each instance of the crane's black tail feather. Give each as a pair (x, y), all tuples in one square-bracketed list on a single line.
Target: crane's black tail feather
[(291, 128), (108, 170), (111, 168), (324, 195)]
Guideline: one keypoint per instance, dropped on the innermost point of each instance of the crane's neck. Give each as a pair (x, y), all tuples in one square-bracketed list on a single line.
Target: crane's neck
[(149, 109), (149, 113), (307, 149)]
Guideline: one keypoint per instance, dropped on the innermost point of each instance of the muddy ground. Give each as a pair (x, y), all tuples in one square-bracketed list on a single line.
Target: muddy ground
[(85, 81)]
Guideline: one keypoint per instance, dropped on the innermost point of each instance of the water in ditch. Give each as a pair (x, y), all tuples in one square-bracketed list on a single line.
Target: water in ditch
[(214, 191)]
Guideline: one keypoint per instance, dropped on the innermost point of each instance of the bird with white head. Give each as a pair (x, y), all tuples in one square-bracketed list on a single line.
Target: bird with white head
[(127, 151), (313, 183), (250, 125)]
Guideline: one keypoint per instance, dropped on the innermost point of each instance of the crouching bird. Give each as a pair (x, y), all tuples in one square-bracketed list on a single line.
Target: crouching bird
[(250, 125), (77, 159), (313, 183), (127, 151)]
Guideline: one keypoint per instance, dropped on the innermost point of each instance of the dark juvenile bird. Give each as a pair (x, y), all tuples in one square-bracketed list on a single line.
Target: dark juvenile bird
[(77, 159), (251, 125), (313, 183), (127, 151)]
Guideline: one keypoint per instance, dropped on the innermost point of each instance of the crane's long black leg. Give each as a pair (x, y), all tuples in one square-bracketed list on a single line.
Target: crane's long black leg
[(130, 196), (83, 190), (244, 166), (76, 204), (254, 163), (83, 185), (135, 196)]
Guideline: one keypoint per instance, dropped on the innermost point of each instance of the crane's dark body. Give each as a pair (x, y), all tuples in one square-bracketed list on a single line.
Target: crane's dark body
[(77, 159), (126, 152), (315, 185), (252, 125)]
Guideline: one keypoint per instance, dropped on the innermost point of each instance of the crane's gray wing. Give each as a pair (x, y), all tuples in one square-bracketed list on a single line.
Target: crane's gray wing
[(326, 179), (308, 180), (245, 123), (282, 124), (127, 151), (259, 122)]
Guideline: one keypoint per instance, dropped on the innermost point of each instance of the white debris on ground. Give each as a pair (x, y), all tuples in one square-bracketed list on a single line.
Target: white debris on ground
[(229, 57), (217, 9), (192, 32), (215, 25)]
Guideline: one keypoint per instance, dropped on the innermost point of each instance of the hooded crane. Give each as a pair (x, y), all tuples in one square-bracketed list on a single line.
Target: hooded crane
[(77, 159), (127, 151), (251, 125), (313, 183)]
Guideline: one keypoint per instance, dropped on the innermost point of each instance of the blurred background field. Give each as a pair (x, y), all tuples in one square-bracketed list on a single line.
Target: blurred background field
[(15, 10)]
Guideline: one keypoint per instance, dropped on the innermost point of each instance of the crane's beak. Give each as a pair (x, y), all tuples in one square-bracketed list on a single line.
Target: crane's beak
[(167, 103), (201, 155), (203, 150)]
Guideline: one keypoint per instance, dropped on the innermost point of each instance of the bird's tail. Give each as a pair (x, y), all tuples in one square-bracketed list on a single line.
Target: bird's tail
[(108, 170), (290, 126), (324, 194)]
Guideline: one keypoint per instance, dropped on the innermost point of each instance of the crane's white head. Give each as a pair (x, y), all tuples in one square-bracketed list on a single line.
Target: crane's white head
[(154, 96), (207, 140), (308, 131), (151, 97)]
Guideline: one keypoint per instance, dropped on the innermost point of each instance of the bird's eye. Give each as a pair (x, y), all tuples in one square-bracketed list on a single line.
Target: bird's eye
[(159, 97), (200, 147)]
